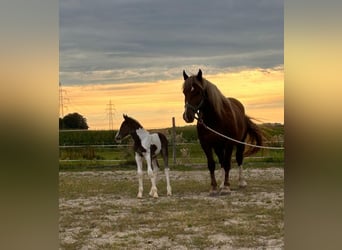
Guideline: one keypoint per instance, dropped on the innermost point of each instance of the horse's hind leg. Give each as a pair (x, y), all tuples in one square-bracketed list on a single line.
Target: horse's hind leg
[(168, 185), (239, 159)]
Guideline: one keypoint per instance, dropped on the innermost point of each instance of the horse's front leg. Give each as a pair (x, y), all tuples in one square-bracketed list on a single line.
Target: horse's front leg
[(226, 165), (139, 161), (211, 166)]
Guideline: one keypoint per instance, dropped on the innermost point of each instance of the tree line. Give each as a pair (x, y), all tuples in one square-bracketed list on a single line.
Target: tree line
[(73, 121)]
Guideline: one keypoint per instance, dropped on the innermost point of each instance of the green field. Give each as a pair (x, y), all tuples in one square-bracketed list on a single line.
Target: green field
[(91, 150)]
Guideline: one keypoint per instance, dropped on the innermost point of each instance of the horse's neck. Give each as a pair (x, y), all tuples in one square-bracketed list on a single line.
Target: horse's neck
[(208, 114)]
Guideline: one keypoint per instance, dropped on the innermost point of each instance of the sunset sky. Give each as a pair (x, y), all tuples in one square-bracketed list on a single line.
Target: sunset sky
[(132, 53)]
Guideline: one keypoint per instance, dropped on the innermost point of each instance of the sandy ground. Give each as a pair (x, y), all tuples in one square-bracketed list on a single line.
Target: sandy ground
[(101, 234)]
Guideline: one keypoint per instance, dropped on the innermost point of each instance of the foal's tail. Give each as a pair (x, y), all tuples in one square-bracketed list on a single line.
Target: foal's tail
[(164, 149), (254, 137)]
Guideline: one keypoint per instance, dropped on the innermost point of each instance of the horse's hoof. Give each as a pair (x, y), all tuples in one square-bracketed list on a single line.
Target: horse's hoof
[(169, 194), (225, 190), (155, 195), (213, 193), (139, 196), (242, 184)]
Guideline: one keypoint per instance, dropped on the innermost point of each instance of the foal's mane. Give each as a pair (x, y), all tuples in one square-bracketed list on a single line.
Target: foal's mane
[(132, 121), (219, 102)]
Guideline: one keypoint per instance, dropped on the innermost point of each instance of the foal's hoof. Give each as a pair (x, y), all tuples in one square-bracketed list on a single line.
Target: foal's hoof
[(150, 173), (139, 196), (225, 190), (153, 193)]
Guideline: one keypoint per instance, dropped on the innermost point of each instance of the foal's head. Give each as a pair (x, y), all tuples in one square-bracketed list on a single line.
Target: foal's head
[(128, 126)]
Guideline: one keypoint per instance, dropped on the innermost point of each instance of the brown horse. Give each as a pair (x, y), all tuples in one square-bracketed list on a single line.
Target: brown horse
[(205, 102)]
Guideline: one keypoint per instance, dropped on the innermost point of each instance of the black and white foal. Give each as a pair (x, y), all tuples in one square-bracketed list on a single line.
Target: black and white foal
[(146, 146)]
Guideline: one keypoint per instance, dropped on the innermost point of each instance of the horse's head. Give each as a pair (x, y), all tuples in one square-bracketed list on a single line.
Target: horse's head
[(128, 126), (194, 95)]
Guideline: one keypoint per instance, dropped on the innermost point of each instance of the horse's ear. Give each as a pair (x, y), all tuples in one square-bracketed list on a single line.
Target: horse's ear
[(199, 75), (185, 75), (124, 116)]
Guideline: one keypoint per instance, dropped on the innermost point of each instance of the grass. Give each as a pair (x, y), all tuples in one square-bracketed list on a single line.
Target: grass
[(99, 210)]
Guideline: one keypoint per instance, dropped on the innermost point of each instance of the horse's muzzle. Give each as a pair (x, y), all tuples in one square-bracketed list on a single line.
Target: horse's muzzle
[(188, 117)]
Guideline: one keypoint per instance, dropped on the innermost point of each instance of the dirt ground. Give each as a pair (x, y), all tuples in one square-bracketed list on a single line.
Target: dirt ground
[(99, 210)]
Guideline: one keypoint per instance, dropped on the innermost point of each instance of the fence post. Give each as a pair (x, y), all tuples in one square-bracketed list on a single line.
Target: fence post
[(174, 141)]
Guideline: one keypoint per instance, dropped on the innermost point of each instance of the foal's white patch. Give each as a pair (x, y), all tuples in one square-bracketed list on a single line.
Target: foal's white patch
[(148, 139)]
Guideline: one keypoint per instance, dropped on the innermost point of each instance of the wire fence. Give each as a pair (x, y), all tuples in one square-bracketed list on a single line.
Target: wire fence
[(188, 154)]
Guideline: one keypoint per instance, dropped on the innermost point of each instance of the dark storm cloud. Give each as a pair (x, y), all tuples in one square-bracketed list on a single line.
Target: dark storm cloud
[(132, 40)]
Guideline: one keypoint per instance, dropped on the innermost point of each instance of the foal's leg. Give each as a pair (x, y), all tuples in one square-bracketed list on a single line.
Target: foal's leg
[(239, 159), (154, 190), (166, 170), (139, 161), (151, 173)]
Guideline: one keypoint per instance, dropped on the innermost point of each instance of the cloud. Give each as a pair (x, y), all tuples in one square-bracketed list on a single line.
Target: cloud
[(154, 103), (128, 41)]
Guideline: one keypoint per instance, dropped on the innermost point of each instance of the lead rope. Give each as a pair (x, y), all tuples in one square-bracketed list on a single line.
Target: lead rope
[(229, 138)]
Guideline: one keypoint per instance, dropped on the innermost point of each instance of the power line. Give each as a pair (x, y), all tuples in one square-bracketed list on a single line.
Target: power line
[(62, 97)]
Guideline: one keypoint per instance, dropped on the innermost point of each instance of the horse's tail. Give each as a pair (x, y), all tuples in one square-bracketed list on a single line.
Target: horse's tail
[(254, 137)]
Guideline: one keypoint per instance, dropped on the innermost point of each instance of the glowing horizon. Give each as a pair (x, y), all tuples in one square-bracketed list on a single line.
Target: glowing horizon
[(154, 104)]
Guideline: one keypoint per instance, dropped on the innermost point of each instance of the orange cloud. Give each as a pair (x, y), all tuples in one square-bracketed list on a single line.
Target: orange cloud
[(155, 103)]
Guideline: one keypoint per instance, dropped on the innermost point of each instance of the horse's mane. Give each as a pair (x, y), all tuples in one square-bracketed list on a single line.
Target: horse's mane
[(219, 102)]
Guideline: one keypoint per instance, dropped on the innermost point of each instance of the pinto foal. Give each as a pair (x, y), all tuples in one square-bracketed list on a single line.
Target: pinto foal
[(148, 146)]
